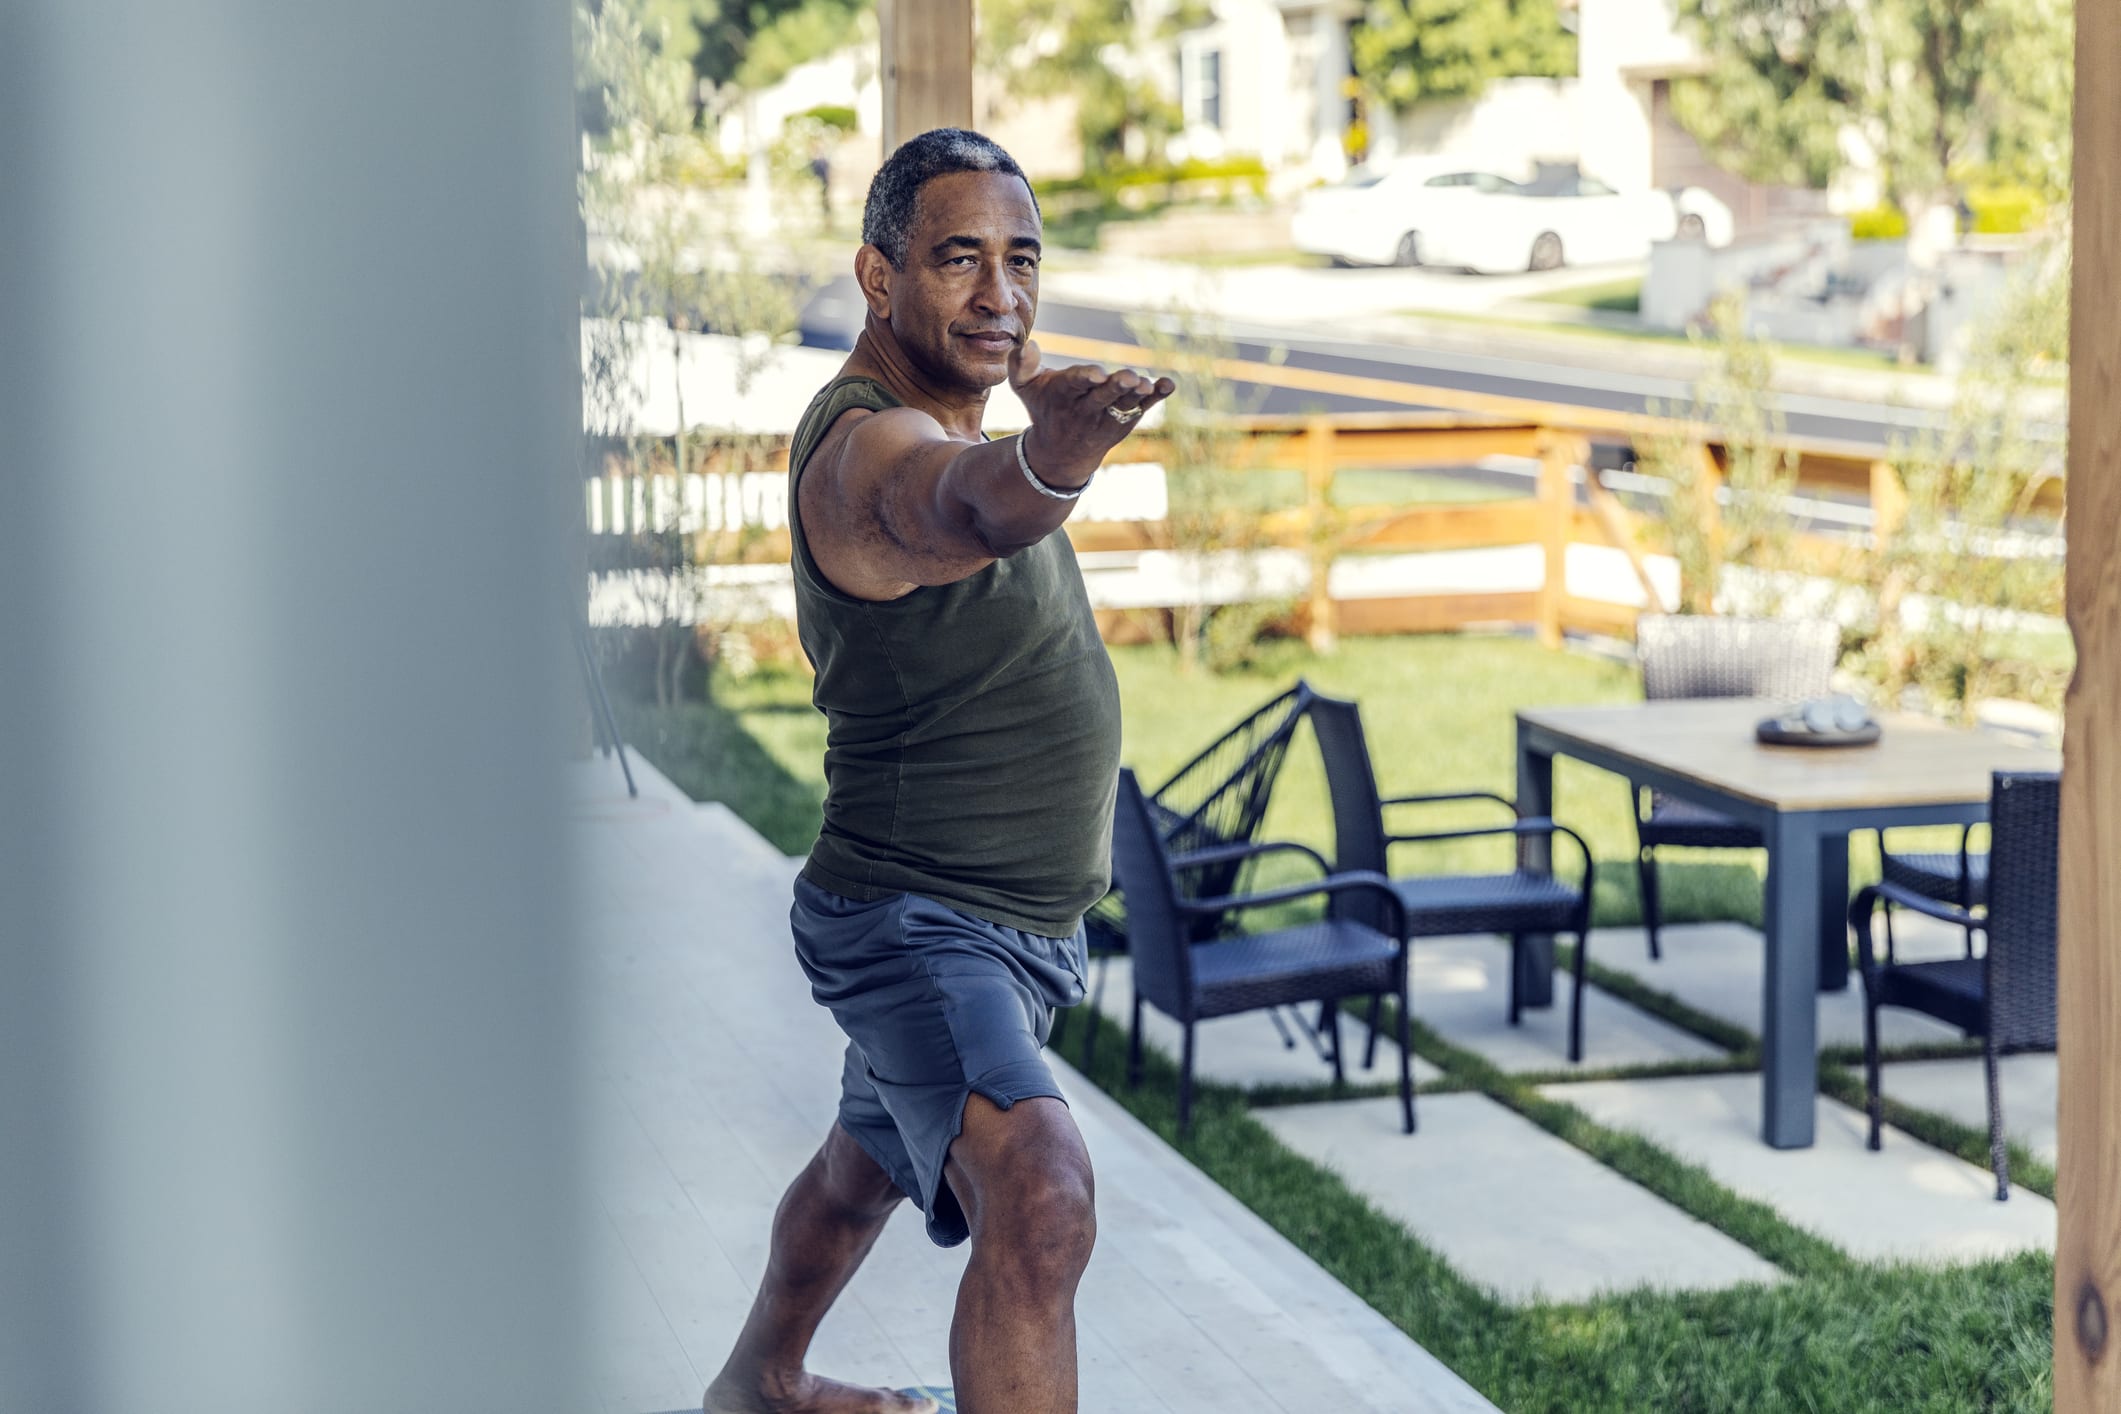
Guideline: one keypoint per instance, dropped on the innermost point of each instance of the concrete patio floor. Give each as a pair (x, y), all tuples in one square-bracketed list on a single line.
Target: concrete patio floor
[(1907, 1202), (715, 1079), (1957, 1090), (1511, 1206), (1717, 968)]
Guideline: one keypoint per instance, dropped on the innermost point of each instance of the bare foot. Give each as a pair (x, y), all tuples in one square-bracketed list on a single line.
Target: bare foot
[(809, 1394)]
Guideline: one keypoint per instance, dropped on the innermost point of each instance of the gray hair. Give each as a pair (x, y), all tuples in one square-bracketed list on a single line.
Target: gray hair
[(894, 196)]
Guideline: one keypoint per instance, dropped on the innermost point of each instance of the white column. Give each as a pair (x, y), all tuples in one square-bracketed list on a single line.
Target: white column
[(289, 393), (1333, 66)]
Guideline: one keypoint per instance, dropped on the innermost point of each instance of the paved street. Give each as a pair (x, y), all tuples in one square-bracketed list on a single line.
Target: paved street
[(1344, 321)]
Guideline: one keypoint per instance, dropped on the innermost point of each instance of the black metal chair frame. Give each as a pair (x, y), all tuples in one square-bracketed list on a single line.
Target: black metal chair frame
[(2012, 1008), (1230, 810), (1364, 845), (1135, 852)]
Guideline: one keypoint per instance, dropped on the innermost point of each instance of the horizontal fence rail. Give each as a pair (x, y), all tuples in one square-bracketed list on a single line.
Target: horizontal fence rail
[(1348, 569)]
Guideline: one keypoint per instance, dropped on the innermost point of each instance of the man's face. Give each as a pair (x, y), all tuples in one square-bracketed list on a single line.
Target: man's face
[(966, 299)]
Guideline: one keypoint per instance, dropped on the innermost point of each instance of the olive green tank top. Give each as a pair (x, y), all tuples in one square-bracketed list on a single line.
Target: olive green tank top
[(972, 747)]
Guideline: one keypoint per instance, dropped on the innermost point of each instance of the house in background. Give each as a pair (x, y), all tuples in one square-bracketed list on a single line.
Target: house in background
[(1273, 79), (1268, 79)]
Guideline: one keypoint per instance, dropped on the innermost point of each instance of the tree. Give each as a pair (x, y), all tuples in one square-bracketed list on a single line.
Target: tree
[(777, 35), (1410, 50), (672, 263), (1212, 523), (1973, 571), (1937, 89), (1091, 49), (749, 43), (1733, 513)]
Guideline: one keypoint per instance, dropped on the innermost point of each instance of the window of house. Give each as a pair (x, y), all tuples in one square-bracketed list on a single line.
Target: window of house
[(1201, 86)]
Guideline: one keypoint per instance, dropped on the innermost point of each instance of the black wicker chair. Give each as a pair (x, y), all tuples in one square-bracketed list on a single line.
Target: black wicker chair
[(1518, 904), (1218, 798), (2007, 995), (1700, 656), (1193, 981)]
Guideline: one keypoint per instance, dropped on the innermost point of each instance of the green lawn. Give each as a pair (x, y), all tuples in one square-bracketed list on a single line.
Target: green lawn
[(1242, 259), (1836, 1335), (1616, 296)]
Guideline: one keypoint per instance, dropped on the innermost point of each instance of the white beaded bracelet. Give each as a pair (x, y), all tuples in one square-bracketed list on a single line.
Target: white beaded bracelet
[(1024, 464)]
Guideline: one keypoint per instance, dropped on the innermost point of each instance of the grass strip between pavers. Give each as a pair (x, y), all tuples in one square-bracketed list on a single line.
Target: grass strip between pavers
[(1839, 1335)]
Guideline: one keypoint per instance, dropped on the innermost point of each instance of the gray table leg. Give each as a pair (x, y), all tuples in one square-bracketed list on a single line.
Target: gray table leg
[(1535, 796), (1789, 1061), (1834, 912)]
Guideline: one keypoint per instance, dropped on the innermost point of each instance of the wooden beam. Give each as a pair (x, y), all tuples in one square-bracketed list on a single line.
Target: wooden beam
[(1619, 527), (1435, 613), (1557, 507), (927, 66), (1518, 522), (1318, 529), (2088, 980)]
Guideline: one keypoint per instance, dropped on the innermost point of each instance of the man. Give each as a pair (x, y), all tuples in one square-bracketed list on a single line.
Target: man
[(970, 768)]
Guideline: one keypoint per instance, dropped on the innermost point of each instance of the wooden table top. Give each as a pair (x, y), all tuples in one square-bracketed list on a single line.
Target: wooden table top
[(1918, 761)]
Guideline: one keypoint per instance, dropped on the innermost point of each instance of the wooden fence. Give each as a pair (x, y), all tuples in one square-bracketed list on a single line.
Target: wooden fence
[(744, 512)]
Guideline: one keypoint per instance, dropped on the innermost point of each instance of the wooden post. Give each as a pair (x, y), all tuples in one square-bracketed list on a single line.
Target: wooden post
[(2088, 980), (1321, 628), (1557, 507), (927, 66), (1888, 501)]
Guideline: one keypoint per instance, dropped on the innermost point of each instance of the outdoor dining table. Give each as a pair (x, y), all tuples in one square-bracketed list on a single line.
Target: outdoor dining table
[(1805, 800)]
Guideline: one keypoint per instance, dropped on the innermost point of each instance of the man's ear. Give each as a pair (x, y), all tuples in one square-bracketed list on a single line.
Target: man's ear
[(873, 273)]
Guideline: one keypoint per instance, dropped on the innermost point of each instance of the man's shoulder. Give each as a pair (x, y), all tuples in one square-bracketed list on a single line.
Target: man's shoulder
[(855, 393)]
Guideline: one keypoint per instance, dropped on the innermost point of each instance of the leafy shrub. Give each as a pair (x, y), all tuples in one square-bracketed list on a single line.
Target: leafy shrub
[(1883, 222), (2006, 210), (1230, 172), (836, 116)]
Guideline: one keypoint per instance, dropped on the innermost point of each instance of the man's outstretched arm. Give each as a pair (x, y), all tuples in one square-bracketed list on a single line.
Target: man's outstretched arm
[(897, 504)]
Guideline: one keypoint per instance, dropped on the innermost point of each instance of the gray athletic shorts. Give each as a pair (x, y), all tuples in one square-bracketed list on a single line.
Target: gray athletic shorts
[(937, 1005)]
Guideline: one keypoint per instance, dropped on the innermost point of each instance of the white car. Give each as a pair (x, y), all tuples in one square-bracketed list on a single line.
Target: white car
[(1421, 214), (1385, 216)]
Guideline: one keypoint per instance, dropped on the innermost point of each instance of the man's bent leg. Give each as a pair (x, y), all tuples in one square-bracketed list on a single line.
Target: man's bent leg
[(826, 1224), (1023, 1178)]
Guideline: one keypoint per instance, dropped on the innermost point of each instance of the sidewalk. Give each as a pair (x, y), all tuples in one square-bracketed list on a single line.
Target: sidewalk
[(716, 1077)]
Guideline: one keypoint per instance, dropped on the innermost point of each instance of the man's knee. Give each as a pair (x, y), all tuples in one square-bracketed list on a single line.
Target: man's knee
[(1024, 1180), (854, 1181)]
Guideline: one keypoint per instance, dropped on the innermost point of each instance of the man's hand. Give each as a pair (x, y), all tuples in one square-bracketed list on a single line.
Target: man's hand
[(1078, 413)]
